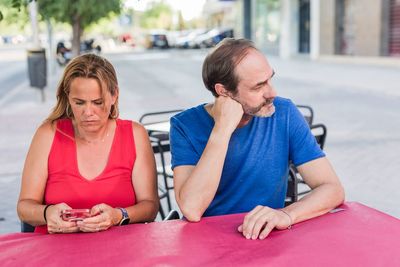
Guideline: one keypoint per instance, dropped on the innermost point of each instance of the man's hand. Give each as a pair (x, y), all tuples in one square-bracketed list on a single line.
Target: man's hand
[(55, 224), (259, 222), (227, 113), (103, 217)]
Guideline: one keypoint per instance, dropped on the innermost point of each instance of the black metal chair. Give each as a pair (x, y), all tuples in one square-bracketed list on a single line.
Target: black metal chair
[(320, 132), (152, 119), (307, 112), (161, 148), (172, 215)]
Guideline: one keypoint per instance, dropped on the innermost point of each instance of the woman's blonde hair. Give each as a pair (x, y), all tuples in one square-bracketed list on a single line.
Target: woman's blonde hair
[(85, 66)]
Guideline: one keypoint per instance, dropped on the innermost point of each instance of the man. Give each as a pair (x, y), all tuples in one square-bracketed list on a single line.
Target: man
[(233, 155)]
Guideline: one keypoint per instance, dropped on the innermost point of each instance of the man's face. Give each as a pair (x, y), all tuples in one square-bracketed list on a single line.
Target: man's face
[(254, 91)]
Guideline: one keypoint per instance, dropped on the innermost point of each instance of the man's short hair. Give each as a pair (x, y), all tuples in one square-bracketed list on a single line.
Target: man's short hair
[(219, 65)]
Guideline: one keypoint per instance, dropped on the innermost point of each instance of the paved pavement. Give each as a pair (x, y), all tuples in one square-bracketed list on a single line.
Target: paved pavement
[(359, 103)]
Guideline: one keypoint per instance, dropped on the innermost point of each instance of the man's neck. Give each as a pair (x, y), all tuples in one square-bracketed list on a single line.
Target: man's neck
[(244, 121)]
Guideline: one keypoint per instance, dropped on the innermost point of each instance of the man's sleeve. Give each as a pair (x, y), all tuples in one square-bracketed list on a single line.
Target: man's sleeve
[(302, 144), (182, 150)]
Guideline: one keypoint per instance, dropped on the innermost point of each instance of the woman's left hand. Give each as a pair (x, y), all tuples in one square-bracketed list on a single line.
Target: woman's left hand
[(103, 217)]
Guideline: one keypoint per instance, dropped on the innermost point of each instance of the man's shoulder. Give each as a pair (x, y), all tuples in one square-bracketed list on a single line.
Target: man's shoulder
[(282, 102), (189, 114)]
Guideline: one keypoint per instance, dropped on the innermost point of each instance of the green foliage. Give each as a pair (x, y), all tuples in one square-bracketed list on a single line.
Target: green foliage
[(88, 11), (13, 12), (16, 4), (159, 15)]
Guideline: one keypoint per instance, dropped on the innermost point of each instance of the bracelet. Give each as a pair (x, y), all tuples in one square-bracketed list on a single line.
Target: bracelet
[(290, 218), (44, 211)]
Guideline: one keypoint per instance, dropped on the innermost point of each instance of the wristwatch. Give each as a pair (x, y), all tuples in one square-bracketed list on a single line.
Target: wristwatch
[(125, 217)]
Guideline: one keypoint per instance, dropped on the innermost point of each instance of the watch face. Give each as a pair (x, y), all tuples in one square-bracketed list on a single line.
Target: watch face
[(124, 221), (125, 217)]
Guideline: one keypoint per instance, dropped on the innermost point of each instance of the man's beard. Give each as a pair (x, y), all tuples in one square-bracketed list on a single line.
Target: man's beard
[(261, 110)]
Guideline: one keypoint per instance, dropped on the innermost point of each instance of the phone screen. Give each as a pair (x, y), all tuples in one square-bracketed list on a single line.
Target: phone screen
[(74, 215)]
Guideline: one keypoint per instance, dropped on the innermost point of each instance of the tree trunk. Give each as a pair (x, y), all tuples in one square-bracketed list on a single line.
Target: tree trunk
[(76, 35)]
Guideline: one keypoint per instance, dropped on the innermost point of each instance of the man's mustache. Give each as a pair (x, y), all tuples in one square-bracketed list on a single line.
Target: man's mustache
[(269, 101)]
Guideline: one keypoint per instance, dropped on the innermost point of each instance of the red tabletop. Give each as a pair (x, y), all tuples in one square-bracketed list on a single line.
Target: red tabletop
[(357, 236)]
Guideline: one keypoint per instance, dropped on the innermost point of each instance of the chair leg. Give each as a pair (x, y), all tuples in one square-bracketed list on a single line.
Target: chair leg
[(167, 192), (172, 215), (292, 192), (161, 211)]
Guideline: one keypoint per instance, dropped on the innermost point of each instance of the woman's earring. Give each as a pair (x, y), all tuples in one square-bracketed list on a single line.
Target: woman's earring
[(113, 112), (68, 111)]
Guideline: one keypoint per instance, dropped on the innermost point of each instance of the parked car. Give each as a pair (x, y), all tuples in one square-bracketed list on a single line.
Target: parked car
[(126, 38), (157, 39), (187, 40), (211, 38)]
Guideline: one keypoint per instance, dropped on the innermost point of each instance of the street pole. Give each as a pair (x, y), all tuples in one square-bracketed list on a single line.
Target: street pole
[(51, 61), (37, 69), (247, 19), (34, 24)]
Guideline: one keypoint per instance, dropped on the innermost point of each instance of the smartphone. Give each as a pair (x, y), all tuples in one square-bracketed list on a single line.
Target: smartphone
[(74, 215)]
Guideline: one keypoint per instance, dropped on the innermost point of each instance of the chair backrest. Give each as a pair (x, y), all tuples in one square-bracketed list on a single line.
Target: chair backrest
[(161, 146), (307, 112), (320, 132), (157, 117), (292, 190)]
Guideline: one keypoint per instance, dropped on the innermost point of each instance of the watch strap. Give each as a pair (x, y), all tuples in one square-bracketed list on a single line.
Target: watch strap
[(125, 217)]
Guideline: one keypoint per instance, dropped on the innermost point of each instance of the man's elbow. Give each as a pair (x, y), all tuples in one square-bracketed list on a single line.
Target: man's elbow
[(341, 194), (191, 214), (338, 194), (192, 217)]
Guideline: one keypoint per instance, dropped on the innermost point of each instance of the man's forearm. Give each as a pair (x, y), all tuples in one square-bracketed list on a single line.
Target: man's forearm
[(199, 189), (322, 199)]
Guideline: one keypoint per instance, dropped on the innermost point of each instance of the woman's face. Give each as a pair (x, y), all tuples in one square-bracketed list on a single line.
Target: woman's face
[(90, 109)]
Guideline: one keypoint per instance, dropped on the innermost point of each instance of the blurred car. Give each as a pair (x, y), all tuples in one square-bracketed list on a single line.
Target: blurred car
[(187, 40), (126, 38), (157, 40), (211, 38), (13, 39)]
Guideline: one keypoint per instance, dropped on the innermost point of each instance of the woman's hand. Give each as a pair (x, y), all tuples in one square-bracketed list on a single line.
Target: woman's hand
[(55, 224), (103, 217)]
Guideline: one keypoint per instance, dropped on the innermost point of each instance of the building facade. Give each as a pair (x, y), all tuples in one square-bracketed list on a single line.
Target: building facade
[(317, 28)]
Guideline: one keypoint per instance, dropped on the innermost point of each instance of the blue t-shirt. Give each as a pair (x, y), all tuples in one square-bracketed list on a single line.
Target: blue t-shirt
[(256, 166)]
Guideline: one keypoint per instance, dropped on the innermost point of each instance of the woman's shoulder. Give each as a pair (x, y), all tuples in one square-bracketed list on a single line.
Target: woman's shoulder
[(137, 128), (44, 135), (129, 123), (46, 128)]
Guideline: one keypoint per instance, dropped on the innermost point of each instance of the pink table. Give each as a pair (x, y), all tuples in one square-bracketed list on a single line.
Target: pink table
[(357, 236)]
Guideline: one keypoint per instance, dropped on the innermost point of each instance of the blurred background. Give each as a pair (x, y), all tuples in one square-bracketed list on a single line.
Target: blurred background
[(341, 57)]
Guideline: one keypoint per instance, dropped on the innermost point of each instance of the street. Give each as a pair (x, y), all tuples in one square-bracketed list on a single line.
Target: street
[(359, 104)]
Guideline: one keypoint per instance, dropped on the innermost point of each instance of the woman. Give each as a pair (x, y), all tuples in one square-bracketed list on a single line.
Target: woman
[(84, 157)]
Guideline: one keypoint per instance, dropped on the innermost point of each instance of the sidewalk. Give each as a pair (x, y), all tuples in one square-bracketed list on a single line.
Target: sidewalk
[(21, 112)]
